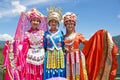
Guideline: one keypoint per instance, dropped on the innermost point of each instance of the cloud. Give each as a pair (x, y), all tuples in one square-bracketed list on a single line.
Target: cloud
[(15, 7), (18, 7), (4, 37), (0, 15), (41, 2), (11, 9), (118, 16), (33, 2)]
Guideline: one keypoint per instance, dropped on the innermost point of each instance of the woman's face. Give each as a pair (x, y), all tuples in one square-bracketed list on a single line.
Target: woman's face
[(35, 22), (70, 25), (53, 24)]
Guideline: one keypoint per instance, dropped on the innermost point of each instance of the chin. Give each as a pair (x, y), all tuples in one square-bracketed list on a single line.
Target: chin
[(71, 29)]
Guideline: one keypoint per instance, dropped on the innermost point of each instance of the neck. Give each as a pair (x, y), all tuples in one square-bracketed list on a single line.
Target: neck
[(53, 30), (69, 32), (34, 28)]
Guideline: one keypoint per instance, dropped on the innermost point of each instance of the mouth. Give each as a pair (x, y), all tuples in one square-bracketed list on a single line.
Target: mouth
[(35, 24), (53, 25), (70, 27)]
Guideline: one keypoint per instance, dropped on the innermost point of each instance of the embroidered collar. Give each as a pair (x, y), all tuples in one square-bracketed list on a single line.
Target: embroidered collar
[(72, 36), (32, 30), (52, 34)]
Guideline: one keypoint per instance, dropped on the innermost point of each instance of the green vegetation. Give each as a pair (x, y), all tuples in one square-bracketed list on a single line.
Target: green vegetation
[(1, 56), (1, 62), (119, 51), (117, 78)]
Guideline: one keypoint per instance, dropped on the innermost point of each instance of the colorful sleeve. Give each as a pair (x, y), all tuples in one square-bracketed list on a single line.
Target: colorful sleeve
[(45, 41), (82, 39), (26, 45), (5, 52), (62, 40)]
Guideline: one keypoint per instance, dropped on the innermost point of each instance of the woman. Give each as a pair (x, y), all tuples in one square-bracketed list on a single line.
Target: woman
[(75, 60), (27, 47), (97, 60), (33, 49), (54, 63)]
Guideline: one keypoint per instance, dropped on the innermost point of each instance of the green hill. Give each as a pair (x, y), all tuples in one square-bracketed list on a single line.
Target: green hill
[(117, 41)]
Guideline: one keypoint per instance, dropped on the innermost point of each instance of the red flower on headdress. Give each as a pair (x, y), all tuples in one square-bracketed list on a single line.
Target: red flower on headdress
[(69, 17)]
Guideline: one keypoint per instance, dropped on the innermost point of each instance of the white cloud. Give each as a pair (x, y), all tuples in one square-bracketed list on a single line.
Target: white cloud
[(15, 7), (18, 7), (4, 37), (0, 15), (12, 9), (42, 2), (118, 16), (33, 2)]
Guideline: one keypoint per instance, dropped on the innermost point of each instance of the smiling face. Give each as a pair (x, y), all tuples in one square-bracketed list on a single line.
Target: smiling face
[(53, 24), (70, 25), (35, 22)]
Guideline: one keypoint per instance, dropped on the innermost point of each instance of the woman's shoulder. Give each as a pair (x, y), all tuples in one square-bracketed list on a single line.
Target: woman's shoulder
[(79, 34), (40, 30), (46, 32)]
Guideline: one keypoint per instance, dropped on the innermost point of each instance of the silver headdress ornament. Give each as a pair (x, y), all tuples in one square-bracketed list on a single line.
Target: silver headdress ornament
[(54, 13)]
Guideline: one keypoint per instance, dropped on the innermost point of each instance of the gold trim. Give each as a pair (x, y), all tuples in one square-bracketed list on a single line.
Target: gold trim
[(104, 56), (84, 67)]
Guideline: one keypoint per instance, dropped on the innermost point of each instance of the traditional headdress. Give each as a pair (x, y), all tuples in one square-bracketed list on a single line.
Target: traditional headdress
[(24, 23), (54, 13), (34, 13), (69, 16)]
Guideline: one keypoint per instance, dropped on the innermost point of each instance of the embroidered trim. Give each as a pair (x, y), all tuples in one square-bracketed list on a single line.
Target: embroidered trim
[(72, 36), (84, 66), (10, 75), (108, 62), (35, 56), (51, 38)]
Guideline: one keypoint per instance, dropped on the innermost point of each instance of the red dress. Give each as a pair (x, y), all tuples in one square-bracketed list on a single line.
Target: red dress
[(100, 52), (75, 59), (96, 61)]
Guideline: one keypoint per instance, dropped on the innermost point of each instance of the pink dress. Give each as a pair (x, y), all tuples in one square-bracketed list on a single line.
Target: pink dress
[(33, 55), (23, 56), (11, 60)]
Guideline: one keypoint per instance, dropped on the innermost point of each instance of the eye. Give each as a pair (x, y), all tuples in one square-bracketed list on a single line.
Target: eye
[(35, 20)]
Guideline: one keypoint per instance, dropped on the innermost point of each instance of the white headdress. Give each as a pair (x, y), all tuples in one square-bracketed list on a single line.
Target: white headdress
[(54, 13), (69, 16)]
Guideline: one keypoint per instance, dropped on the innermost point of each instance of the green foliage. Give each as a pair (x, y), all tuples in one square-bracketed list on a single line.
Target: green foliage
[(1, 56)]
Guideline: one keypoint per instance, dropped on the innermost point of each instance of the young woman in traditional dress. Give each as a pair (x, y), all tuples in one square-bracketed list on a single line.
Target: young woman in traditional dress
[(25, 54), (96, 61), (54, 61)]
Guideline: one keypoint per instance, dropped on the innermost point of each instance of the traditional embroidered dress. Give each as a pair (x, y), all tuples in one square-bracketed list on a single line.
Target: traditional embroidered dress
[(100, 52), (33, 54), (11, 63), (23, 56), (54, 61), (75, 59), (98, 60)]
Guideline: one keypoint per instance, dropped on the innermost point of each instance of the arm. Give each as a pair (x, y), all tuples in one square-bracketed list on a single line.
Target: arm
[(26, 46), (82, 39)]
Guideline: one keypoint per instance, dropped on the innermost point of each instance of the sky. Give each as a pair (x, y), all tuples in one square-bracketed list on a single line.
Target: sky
[(92, 15)]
